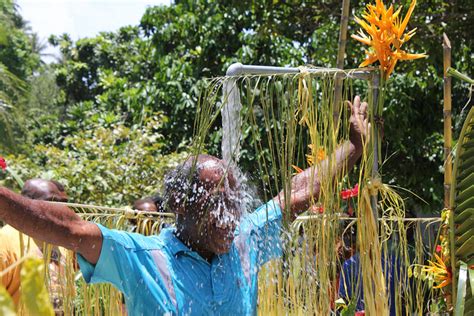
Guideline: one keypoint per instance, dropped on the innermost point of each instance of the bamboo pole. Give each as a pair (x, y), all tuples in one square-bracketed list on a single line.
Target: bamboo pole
[(447, 121), (340, 59), (376, 129), (447, 145)]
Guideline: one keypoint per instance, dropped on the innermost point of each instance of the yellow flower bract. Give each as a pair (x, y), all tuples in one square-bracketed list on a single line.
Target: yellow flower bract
[(315, 157), (385, 35), (439, 271)]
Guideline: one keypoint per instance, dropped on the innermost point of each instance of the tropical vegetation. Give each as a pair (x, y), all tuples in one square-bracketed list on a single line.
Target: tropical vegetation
[(114, 112)]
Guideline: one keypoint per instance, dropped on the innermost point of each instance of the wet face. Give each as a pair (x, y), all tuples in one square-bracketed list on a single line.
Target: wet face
[(218, 209)]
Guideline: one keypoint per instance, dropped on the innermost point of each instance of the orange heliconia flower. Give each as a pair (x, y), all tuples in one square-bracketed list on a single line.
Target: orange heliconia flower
[(315, 156), (297, 169), (441, 273), (385, 35)]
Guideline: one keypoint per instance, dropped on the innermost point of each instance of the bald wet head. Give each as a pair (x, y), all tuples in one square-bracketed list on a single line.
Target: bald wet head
[(45, 190), (199, 176), (206, 196)]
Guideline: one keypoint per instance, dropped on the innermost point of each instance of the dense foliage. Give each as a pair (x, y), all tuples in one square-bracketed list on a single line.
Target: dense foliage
[(158, 66), (18, 61), (106, 163)]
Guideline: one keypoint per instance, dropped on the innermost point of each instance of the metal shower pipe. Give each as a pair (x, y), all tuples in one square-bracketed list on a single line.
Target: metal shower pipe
[(231, 124)]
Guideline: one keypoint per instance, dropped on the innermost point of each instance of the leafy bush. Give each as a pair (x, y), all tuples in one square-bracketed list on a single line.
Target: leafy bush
[(106, 163), (159, 64)]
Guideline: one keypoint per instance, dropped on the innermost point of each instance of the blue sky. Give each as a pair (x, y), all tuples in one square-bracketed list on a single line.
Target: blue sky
[(82, 18)]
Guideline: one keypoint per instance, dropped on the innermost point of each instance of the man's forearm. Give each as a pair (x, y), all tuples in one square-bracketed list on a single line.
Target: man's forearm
[(307, 184), (39, 219), (52, 223), (347, 155)]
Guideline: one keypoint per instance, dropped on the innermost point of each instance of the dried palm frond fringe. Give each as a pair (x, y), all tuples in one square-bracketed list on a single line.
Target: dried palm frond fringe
[(286, 118)]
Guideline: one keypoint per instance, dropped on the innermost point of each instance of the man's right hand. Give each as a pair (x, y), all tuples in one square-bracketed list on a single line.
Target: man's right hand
[(52, 223)]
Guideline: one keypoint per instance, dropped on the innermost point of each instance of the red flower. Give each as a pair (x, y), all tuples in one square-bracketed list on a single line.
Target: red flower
[(349, 193), (317, 209), (320, 209), (439, 248), (346, 194), (355, 190), (3, 163)]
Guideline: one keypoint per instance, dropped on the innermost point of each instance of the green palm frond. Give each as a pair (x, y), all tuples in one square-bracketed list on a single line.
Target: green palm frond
[(462, 200), (459, 75), (11, 86), (11, 89)]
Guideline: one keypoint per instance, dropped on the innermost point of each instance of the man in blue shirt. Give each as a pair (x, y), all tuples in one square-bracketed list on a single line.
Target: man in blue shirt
[(163, 269), (209, 263)]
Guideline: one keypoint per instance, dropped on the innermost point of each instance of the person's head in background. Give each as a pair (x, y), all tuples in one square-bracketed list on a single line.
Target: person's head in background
[(149, 204), (153, 203), (45, 190), (145, 205), (52, 191)]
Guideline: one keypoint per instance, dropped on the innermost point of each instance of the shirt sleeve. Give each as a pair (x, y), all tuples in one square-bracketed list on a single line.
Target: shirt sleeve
[(117, 261), (266, 222)]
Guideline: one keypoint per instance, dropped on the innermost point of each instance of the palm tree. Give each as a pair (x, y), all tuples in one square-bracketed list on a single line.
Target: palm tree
[(11, 87), (39, 45)]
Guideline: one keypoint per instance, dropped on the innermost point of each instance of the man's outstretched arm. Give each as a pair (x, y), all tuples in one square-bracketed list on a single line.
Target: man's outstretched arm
[(52, 223), (306, 185)]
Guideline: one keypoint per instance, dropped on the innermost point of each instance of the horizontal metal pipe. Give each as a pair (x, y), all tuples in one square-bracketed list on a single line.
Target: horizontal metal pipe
[(238, 69), (390, 219)]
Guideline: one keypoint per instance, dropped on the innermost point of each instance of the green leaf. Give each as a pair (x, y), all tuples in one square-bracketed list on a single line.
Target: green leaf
[(471, 280), (349, 310), (453, 72), (461, 294), (6, 303), (461, 229), (15, 176), (34, 294)]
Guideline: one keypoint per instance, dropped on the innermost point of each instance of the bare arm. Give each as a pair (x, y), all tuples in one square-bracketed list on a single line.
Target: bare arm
[(52, 223), (306, 185)]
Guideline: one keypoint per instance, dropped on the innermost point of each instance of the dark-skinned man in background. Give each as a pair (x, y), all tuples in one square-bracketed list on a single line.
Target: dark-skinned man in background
[(153, 203), (145, 205), (208, 264)]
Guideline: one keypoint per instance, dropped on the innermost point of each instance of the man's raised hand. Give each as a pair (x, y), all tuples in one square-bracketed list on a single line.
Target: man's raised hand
[(360, 127)]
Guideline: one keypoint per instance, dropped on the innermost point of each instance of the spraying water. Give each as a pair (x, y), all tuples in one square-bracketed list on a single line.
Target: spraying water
[(231, 122)]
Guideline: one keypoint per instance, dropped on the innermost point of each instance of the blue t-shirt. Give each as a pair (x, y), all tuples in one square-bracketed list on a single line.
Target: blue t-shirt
[(160, 275)]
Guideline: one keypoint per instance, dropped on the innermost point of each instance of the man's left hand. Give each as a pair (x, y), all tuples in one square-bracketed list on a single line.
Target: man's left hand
[(360, 127)]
